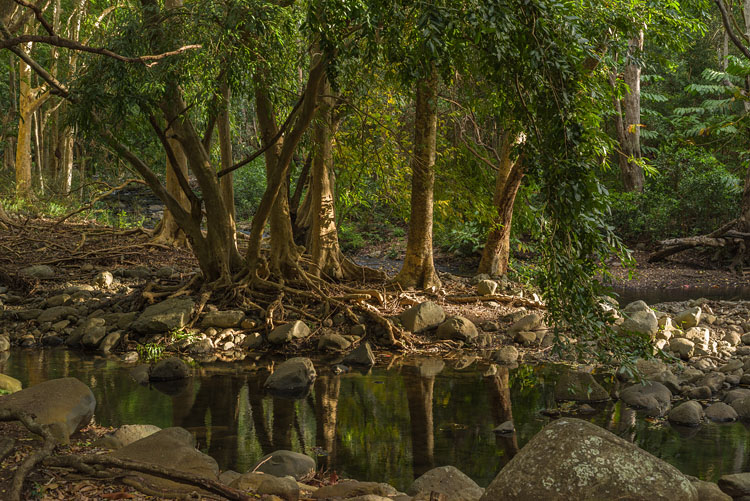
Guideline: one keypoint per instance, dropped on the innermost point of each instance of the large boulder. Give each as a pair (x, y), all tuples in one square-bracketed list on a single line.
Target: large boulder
[(688, 318), (574, 459), (684, 348), (126, 435), (526, 323), (57, 313), (579, 387), (282, 463), (449, 481), (40, 271), (292, 377), (330, 341), (169, 369), (172, 448), (653, 397), (709, 491), (166, 316), (9, 384), (289, 332), (639, 319), (736, 485), (687, 413), (721, 413), (362, 356), (422, 317), (458, 329), (262, 484), (66, 405)]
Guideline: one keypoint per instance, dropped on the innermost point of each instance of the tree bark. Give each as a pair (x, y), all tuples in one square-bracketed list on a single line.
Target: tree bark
[(23, 141), (225, 146), (418, 270), (496, 251), (629, 120)]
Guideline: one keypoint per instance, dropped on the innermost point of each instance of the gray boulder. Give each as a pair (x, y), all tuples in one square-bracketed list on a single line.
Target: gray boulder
[(526, 323), (4, 343), (486, 287), (579, 387), (57, 313), (94, 335), (688, 318), (289, 332), (65, 405), (709, 491), (653, 397), (223, 319), (361, 355), (736, 485), (110, 341), (687, 414), (172, 448), (572, 459), (458, 329), (449, 481), (742, 406), (282, 463), (267, 485), (126, 435), (104, 280), (10, 384), (721, 413), (639, 319), (422, 317), (736, 394), (506, 355), (333, 342), (169, 369), (166, 316), (293, 376)]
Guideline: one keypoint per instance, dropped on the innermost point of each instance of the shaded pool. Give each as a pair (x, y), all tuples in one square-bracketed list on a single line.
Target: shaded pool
[(387, 425)]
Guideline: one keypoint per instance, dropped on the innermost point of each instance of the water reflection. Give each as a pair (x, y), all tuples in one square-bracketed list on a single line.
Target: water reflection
[(388, 425)]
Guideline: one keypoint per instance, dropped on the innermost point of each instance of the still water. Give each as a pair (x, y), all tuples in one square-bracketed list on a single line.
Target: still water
[(388, 425)]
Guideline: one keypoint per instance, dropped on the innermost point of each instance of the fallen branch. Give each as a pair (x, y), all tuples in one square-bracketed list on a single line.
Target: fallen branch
[(83, 463), (675, 245), (513, 300)]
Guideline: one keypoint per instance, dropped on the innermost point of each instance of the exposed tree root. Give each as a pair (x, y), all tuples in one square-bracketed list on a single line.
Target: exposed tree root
[(512, 300)]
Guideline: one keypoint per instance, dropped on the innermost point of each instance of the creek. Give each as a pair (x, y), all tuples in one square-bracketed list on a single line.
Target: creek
[(388, 425)]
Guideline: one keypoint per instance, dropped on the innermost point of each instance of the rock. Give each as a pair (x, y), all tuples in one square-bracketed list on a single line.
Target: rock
[(698, 335), (104, 280), (731, 366), (109, 342), (687, 414), (223, 319), (58, 300), (506, 355), (358, 330), (9, 384), (742, 406), (333, 342), (429, 366), (639, 319), (293, 376), (282, 463), (165, 272), (579, 387), (169, 369), (347, 489), (721, 413), (736, 485), (709, 491), (736, 394), (38, 271), (29, 314), (714, 380), (505, 428), (57, 313), (525, 338), (126, 435), (267, 485), (422, 317), (459, 329), (289, 332), (252, 341), (572, 459), (526, 323), (4, 343), (139, 272), (654, 398), (169, 315), (699, 393), (66, 405), (93, 336), (682, 347), (449, 481), (229, 476), (732, 338), (486, 287), (688, 318), (52, 340), (172, 448), (491, 326), (746, 338), (362, 355)]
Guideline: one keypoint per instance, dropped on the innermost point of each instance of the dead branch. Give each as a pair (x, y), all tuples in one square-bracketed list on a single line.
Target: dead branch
[(713, 239)]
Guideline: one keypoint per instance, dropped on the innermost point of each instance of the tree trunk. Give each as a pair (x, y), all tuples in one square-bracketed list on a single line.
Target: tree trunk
[(326, 406), (496, 251), (418, 270), (23, 141), (225, 146), (629, 121), (66, 173)]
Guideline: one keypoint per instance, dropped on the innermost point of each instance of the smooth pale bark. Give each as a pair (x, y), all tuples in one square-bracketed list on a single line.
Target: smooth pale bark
[(225, 147), (628, 120), (23, 140), (169, 232), (496, 252), (418, 270)]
